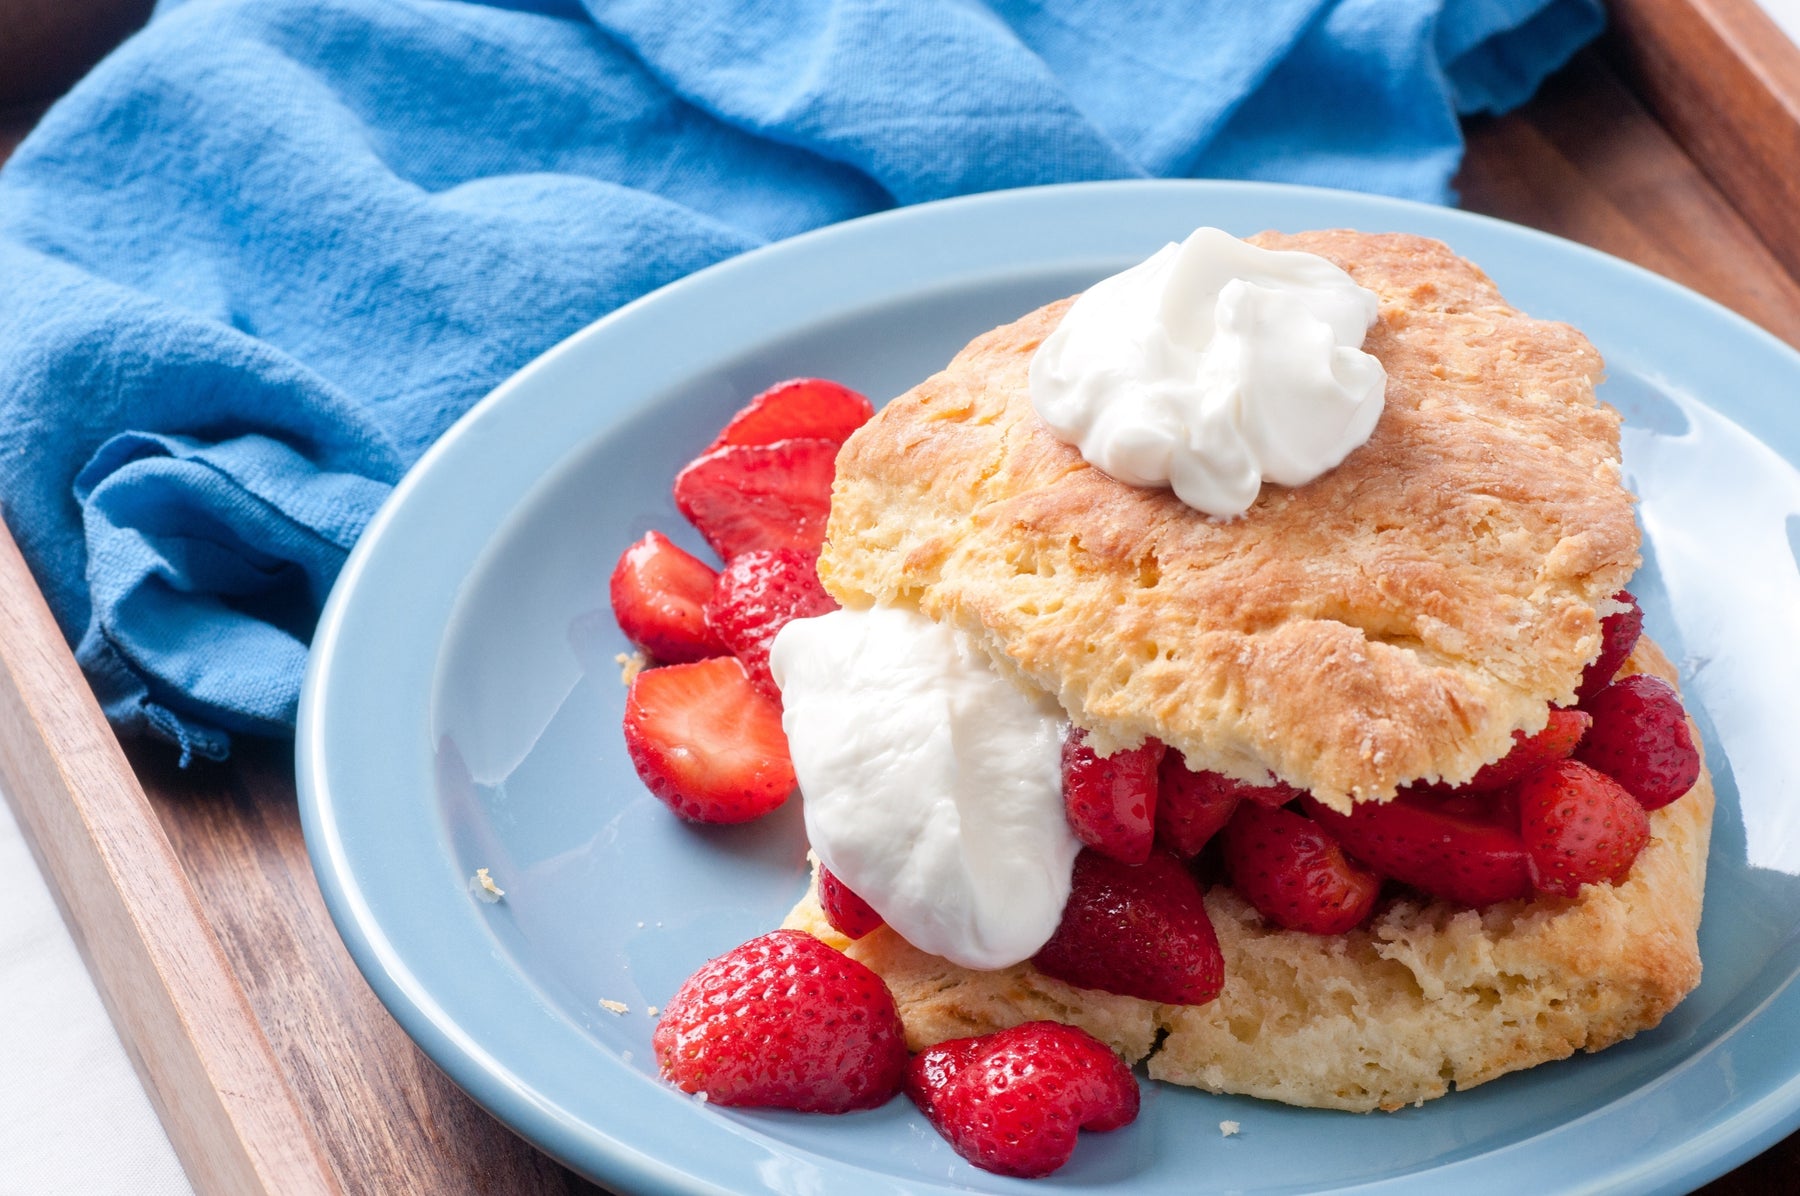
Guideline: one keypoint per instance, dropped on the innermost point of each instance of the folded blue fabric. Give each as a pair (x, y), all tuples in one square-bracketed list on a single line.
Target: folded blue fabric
[(270, 249)]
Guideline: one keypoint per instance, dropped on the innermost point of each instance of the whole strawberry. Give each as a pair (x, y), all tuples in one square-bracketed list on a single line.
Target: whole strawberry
[(785, 1022), (707, 742), (757, 595), (1640, 738), (1619, 633), (1111, 800), (1012, 1102), (848, 914), (1294, 873), (1462, 848), (1580, 827), (1192, 807), (1137, 931)]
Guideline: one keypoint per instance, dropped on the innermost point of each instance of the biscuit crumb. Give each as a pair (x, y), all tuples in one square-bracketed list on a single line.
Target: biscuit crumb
[(1228, 1128), (651, 1010), (619, 1007), (701, 1097), (630, 665), (483, 886)]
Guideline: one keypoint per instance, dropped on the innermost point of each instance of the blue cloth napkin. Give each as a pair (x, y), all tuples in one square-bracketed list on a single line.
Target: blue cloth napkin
[(270, 249)]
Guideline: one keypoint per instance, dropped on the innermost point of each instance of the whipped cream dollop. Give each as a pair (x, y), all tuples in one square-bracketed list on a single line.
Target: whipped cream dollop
[(1211, 367), (932, 785)]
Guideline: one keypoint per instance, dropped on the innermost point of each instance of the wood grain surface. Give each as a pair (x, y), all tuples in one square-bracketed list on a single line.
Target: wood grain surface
[(200, 917)]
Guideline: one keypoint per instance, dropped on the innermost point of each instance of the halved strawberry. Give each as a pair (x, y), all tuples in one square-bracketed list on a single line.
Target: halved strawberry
[(1192, 807), (1529, 752), (1640, 738), (659, 596), (1619, 633), (757, 595), (1139, 931), (746, 497), (848, 914), (1580, 827), (1294, 873), (706, 742), (1111, 800), (795, 409), (1458, 848)]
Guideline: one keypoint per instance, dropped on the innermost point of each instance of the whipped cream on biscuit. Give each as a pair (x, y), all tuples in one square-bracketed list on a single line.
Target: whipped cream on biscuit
[(932, 784), (1212, 367)]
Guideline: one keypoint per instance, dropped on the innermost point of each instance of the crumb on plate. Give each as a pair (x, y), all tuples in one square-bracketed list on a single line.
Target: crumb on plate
[(483, 886)]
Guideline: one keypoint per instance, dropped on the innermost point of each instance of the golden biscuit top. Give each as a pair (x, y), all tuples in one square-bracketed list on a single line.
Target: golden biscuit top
[(1396, 619)]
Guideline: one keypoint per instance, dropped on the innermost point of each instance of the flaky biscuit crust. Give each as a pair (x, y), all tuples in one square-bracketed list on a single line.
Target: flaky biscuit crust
[(1396, 619), (1428, 996)]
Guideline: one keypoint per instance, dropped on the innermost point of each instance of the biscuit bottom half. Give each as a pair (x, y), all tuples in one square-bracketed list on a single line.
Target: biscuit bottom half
[(1427, 996)]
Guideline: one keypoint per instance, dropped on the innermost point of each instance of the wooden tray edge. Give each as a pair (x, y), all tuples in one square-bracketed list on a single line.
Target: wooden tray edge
[(184, 1018)]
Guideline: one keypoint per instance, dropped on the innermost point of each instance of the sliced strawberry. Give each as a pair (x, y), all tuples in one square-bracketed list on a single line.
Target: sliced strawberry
[(1580, 827), (1619, 633), (659, 597), (746, 497), (758, 594), (784, 1021), (1137, 931), (1294, 873), (1111, 800), (848, 914), (1192, 807), (1529, 752), (1012, 1102), (799, 408), (1457, 848), (707, 742), (1640, 738)]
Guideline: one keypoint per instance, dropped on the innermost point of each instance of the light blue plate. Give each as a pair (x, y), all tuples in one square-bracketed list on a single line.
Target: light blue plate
[(463, 710)]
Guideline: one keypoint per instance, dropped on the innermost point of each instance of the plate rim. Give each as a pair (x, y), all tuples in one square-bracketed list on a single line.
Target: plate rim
[(1746, 1132)]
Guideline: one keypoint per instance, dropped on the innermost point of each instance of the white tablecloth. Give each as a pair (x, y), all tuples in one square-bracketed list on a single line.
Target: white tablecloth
[(73, 1118)]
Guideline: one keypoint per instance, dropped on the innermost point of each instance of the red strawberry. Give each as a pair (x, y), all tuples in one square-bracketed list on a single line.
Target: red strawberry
[(659, 594), (1619, 633), (748, 496), (848, 914), (1641, 739), (1294, 873), (1555, 742), (1111, 800), (799, 408), (1012, 1102), (757, 595), (707, 742), (1580, 826), (1458, 848), (784, 1021), (1191, 807), (1137, 931)]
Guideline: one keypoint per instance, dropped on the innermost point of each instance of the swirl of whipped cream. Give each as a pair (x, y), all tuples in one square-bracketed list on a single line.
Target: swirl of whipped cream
[(1212, 367)]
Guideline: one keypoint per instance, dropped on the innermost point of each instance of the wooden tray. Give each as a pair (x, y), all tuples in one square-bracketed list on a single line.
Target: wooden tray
[(270, 1062)]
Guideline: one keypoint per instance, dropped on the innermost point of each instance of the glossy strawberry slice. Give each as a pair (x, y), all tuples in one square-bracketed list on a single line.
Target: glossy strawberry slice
[(848, 914), (1294, 873), (707, 742), (786, 1022), (1619, 633), (1137, 931), (1192, 807), (746, 497), (659, 596), (1111, 800), (1012, 1102), (1555, 742), (1640, 738), (757, 595), (1580, 827), (799, 408), (1460, 849)]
